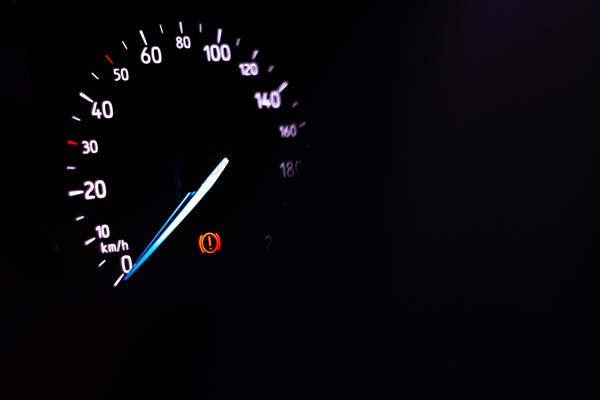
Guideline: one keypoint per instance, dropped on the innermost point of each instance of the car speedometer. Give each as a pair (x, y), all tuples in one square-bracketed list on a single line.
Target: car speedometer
[(184, 144)]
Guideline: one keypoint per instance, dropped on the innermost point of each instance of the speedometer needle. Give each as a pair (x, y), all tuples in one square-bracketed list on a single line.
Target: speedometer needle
[(183, 209)]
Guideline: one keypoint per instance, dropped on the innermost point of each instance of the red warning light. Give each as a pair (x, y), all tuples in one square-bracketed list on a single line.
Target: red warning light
[(209, 243)]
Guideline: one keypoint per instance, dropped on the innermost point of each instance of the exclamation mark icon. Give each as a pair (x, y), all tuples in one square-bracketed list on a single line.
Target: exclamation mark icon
[(209, 243)]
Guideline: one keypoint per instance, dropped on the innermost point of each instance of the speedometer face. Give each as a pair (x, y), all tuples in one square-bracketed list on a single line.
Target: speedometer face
[(185, 145)]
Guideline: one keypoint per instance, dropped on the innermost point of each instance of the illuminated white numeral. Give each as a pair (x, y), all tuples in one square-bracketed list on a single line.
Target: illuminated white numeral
[(102, 231), (217, 52), (154, 56), (104, 111), (288, 131), (249, 69), (126, 264), (94, 190), (268, 99), (183, 42), (89, 147), (121, 74), (291, 169)]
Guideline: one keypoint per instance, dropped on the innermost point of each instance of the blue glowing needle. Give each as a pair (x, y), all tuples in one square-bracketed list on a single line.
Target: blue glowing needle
[(183, 209)]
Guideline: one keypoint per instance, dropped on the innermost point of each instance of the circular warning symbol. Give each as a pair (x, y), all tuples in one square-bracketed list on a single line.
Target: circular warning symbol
[(209, 243)]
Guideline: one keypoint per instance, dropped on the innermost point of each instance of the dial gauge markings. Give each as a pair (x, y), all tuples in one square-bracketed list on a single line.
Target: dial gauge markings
[(112, 141), (143, 38), (86, 97)]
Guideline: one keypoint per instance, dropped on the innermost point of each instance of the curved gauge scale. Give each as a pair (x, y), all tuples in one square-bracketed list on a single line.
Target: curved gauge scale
[(161, 113)]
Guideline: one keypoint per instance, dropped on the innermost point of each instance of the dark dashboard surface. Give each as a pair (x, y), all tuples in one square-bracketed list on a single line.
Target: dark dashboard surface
[(446, 246)]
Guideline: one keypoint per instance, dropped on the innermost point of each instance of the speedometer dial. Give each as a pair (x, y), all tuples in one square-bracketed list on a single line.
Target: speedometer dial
[(185, 144)]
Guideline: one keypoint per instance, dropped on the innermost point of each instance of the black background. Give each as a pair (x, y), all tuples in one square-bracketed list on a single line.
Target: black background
[(454, 188)]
